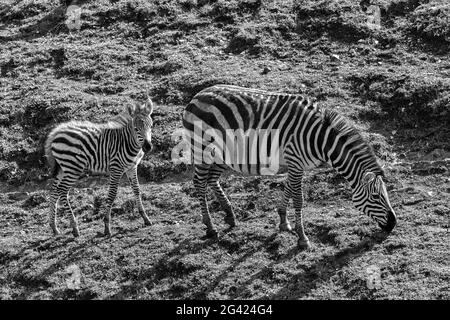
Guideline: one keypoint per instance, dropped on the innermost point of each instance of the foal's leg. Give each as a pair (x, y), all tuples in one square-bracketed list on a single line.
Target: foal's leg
[(134, 182), (63, 193), (54, 197), (114, 179)]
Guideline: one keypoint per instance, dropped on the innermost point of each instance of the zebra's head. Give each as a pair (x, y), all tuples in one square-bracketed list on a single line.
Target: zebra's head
[(142, 123), (371, 197)]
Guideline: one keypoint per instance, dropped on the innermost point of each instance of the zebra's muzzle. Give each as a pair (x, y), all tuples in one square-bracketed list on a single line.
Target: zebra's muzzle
[(147, 146), (390, 224)]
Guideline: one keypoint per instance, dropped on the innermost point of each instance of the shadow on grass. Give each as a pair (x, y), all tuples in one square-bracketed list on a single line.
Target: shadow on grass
[(168, 266), (51, 22), (59, 252), (65, 250), (202, 292), (301, 284)]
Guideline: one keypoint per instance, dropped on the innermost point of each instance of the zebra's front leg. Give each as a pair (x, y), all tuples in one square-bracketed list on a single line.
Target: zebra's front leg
[(114, 180), (213, 181), (303, 241), (201, 173), (295, 177), (230, 218), (284, 222), (134, 182)]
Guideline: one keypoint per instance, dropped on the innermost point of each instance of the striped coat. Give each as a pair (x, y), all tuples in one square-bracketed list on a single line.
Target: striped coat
[(304, 136), (115, 147)]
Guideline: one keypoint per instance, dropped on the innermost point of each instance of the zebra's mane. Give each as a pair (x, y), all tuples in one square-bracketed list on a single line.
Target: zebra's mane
[(349, 133), (119, 120)]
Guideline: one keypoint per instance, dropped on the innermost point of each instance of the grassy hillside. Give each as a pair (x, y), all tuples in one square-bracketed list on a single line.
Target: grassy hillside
[(390, 80), (177, 48)]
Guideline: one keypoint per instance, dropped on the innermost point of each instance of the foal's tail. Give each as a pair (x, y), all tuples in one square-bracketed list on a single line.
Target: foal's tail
[(54, 166)]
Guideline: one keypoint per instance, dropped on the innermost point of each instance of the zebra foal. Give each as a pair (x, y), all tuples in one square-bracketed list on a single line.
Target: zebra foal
[(306, 136), (115, 147)]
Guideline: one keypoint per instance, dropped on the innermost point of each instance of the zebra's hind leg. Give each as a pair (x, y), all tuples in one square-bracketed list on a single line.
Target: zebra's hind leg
[(134, 182), (201, 174), (54, 197), (295, 177), (114, 180), (284, 222), (63, 193), (213, 181)]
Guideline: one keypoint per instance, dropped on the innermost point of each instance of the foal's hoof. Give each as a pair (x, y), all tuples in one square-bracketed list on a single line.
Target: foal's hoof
[(230, 220), (147, 223), (107, 233), (76, 233), (56, 232), (285, 227), (303, 244)]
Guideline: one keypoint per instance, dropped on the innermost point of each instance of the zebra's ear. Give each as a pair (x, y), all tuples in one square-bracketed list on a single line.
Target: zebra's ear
[(148, 104), (147, 107), (368, 177), (130, 108), (379, 183)]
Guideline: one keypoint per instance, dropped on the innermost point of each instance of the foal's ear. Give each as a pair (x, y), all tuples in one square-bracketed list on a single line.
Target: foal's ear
[(368, 177), (130, 109), (147, 107)]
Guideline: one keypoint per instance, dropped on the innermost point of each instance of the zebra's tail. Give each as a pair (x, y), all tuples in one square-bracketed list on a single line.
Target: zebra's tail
[(54, 166)]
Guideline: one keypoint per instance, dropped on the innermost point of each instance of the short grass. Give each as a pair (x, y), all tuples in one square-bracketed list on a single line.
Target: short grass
[(391, 82), (171, 259)]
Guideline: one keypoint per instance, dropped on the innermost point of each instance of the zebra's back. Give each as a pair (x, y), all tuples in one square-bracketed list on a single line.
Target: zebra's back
[(305, 135), (271, 117), (76, 145), (233, 107)]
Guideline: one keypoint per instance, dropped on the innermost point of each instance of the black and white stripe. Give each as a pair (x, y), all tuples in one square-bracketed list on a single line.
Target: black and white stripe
[(115, 148), (308, 136)]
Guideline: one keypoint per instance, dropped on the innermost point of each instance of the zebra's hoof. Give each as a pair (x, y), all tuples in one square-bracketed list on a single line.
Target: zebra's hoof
[(56, 232), (212, 234), (147, 223), (303, 244), (107, 233), (76, 233), (230, 220), (285, 227)]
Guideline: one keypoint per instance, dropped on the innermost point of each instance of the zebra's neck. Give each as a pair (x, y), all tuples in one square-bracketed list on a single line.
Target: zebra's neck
[(346, 151), (122, 131), (353, 164)]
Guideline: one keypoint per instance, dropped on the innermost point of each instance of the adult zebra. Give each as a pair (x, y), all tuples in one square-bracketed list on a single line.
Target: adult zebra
[(306, 136), (115, 147)]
